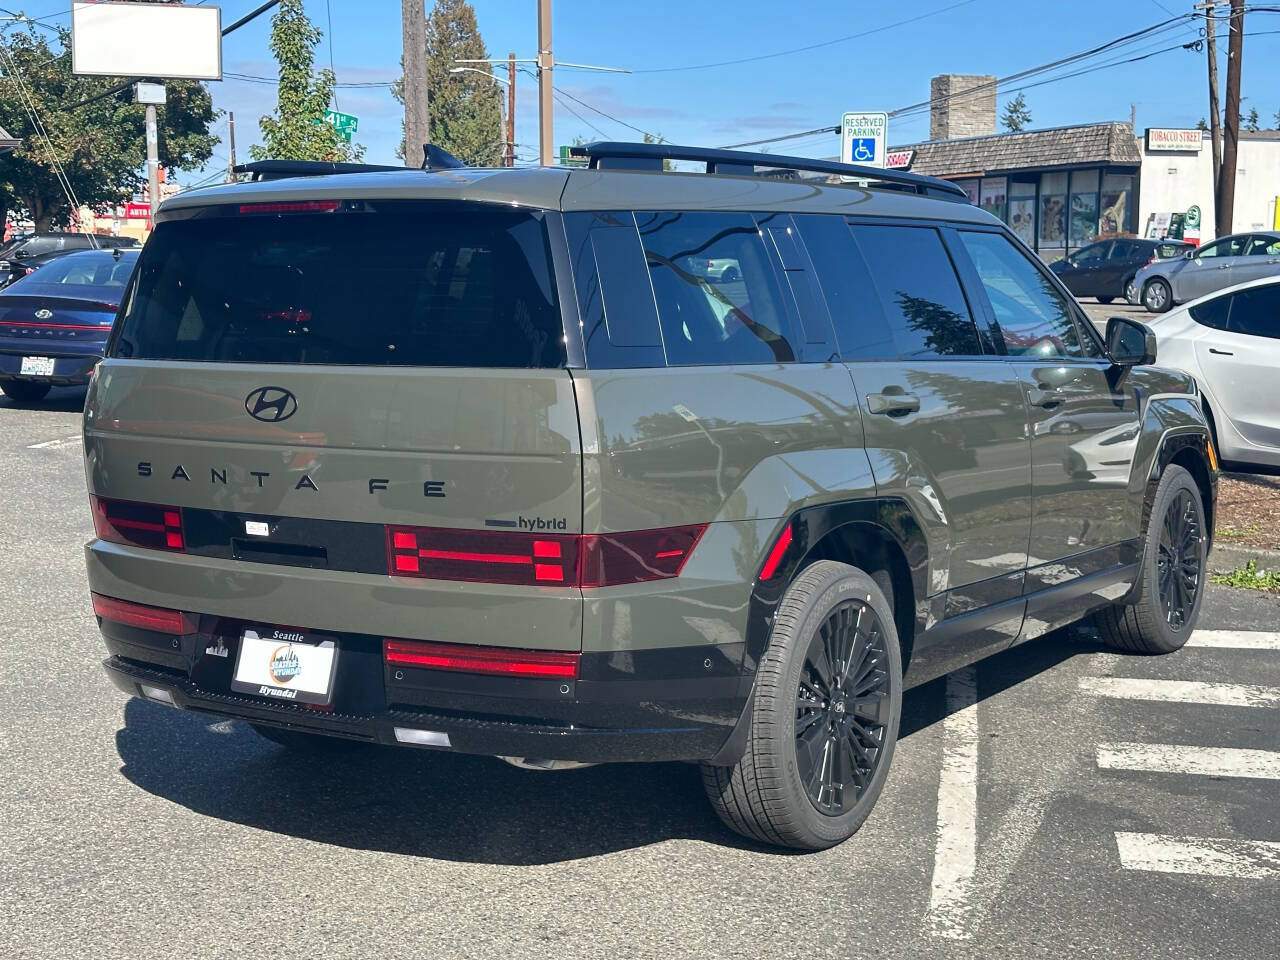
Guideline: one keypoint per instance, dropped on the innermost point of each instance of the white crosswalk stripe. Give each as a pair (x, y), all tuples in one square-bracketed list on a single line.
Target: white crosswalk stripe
[(1183, 691), (55, 444), (1234, 640), (1201, 761), (1211, 856)]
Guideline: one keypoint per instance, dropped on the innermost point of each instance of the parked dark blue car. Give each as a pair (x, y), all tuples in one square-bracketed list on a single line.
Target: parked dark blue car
[(54, 322)]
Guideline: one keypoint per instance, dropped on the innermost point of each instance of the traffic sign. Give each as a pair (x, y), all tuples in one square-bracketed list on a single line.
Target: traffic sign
[(345, 123), (863, 138)]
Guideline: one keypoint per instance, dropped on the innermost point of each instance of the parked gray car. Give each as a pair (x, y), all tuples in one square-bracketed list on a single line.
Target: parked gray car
[(1233, 259)]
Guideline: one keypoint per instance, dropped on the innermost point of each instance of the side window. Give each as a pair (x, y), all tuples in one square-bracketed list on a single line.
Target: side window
[(862, 330), (919, 291), (1035, 319), (1125, 250), (1212, 313), (1093, 254), (1263, 247), (1256, 312), (718, 296), (615, 300), (1230, 247)]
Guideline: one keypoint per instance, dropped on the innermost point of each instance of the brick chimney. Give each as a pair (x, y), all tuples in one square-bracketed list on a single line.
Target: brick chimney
[(955, 113)]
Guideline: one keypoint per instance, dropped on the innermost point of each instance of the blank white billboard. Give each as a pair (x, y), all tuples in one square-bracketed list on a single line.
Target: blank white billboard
[(146, 40)]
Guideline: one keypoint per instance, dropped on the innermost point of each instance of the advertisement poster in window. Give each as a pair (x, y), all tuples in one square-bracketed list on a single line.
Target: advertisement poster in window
[(1084, 218), (1053, 220), (1022, 219), (1115, 204), (971, 188), (992, 195)]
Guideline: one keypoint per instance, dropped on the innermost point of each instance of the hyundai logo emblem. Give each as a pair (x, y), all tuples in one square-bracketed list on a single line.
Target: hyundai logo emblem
[(44, 313), (271, 404)]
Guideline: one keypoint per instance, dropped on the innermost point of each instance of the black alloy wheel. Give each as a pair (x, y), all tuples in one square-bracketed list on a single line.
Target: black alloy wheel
[(1179, 566), (842, 708)]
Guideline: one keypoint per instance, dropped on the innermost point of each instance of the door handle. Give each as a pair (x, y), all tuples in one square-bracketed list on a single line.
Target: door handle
[(1221, 353), (893, 404), (1044, 397)]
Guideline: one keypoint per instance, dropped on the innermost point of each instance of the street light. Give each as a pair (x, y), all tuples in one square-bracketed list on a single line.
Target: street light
[(511, 104), (483, 73)]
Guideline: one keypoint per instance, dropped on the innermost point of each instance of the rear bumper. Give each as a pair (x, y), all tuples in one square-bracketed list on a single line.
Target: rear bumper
[(660, 713), (68, 371)]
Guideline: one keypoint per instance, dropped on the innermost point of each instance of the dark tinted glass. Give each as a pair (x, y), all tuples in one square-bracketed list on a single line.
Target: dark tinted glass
[(717, 293), (1256, 312), (88, 269), (862, 332), (38, 245), (919, 292), (413, 285), (1035, 319), (1212, 313)]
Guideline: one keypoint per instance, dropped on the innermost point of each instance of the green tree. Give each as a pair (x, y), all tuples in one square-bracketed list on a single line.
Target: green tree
[(1016, 114), (1202, 125), (296, 129), (1251, 122), (100, 147), (465, 108)]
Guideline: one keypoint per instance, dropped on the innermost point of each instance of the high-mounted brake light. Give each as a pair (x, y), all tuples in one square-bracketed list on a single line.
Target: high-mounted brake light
[(140, 524), (463, 658), (159, 619), (292, 206), (540, 559)]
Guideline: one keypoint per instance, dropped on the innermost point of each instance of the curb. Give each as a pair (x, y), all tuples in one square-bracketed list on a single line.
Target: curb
[(1224, 558)]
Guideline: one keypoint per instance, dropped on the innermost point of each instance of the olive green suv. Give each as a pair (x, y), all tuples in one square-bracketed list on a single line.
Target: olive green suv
[(490, 461)]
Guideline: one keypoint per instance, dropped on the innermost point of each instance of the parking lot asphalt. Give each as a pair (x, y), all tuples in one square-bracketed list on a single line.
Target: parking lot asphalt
[(1092, 804)]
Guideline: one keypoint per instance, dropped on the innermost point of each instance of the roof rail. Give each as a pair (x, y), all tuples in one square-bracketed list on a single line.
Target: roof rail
[(277, 169), (611, 155)]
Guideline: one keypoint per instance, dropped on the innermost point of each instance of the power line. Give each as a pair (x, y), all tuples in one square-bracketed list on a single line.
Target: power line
[(808, 47)]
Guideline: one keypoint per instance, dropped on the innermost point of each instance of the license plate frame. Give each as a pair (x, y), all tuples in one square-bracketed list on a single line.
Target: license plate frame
[(284, 664), (35, 366)]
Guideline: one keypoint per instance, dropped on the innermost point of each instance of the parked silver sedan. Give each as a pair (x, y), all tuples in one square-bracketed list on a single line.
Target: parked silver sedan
[(1233, 259)]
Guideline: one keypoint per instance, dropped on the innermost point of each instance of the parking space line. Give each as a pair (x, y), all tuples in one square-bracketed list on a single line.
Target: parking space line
[(955, 857), (1203, 761), (1183, 691), (53, 444), (1207, 856), (1234, 640)]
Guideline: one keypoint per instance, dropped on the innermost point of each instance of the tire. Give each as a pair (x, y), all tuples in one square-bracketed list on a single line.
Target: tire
[(1130, 291), (301, 741), (772, 794), (1104, 299), (25, 391), (1172, 578), (1157, 296)]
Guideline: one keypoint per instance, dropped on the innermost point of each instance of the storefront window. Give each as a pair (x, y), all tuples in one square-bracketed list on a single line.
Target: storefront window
[(1022, 212), (1084, 207), (1116, 193), (971, 188), (992, 194), (1053, 211)]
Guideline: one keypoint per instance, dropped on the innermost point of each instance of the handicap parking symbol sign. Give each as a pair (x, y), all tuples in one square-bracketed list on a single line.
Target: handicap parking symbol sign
[(862, 150)]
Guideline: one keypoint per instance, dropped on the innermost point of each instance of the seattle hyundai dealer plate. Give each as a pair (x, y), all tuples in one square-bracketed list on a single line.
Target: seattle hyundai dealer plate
[(285, 665)]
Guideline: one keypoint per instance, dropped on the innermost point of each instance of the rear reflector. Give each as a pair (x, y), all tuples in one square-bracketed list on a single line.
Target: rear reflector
[(543, 664), (141, 524), (540, 559), (779, 550), (159, 619)]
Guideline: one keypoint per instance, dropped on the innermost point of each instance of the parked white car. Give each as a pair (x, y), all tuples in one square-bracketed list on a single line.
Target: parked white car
[(1230, 342)]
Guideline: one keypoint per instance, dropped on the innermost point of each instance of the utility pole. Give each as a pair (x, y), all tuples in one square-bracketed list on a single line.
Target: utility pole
[(1215, 112), (511, 109), (417, 118), (1226, 195), (231, 161), (546, 61)]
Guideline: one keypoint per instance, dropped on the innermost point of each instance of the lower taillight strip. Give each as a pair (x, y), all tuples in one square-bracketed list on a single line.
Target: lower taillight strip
[(143, 616), (538, 664)]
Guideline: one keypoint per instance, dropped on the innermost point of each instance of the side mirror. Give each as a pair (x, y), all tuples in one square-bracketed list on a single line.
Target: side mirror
[(1190, 254), (20, 254), (1130, 343)]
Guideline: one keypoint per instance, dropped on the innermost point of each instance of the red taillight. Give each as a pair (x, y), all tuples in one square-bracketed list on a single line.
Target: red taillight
[(159, 619), (292, 206), (779, 550), (544, 664), (540, 559), (141, 524)]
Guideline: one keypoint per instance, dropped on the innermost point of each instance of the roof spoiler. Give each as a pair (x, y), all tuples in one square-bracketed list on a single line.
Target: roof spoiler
[(610, 155)]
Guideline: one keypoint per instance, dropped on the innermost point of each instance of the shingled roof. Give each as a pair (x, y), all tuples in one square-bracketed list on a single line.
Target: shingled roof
[(1096, 144), (7, 142)]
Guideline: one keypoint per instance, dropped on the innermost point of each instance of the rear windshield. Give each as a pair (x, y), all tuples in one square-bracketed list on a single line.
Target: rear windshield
[(417, 285)]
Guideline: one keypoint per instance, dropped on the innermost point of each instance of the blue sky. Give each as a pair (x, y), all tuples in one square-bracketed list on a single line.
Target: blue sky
[(765, 97)]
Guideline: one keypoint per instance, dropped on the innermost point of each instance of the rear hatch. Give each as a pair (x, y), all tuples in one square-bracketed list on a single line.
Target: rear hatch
[(363, 411)]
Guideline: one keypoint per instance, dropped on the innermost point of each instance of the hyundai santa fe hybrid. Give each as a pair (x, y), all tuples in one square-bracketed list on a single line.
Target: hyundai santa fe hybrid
[(527, 482)]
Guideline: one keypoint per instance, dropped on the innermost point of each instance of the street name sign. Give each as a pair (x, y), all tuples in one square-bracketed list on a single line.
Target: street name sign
[(863, 137), (345, 123)]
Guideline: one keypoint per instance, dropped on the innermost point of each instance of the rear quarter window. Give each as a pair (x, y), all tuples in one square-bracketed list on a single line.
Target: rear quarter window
[(425, 285)]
